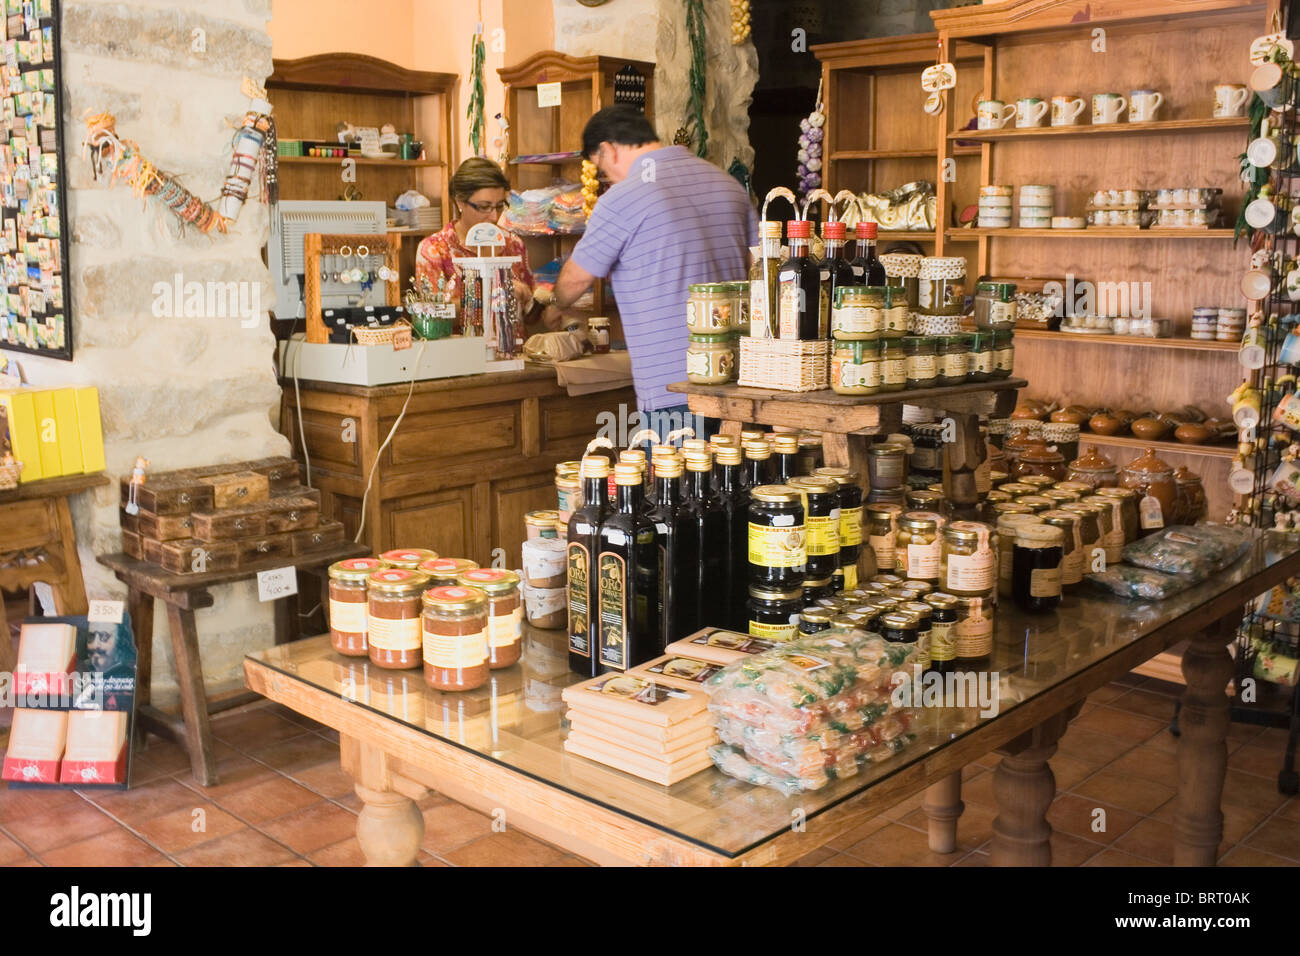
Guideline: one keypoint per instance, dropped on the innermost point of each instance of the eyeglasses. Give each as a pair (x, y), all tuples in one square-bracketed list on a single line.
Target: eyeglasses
[(487, 206)]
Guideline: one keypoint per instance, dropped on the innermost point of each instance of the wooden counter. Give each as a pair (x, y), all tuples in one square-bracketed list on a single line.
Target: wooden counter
[(472, 455)]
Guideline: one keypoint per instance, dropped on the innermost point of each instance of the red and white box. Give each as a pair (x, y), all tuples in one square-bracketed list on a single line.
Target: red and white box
[(47, 656), (96, 750), (35, 746)]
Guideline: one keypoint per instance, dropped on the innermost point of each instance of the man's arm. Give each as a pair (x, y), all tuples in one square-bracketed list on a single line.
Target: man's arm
[(573, 281)]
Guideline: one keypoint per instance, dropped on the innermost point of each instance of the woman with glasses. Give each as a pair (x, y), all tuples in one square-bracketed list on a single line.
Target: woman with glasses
[(479, 191)]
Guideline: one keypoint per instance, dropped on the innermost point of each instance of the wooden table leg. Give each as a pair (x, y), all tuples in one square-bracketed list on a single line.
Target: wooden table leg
[(287, 622), (1202, 747), (194, 699), (140, 608), (70, 593), (943, 806), (8, 658), (1024, 787), (390, 826)]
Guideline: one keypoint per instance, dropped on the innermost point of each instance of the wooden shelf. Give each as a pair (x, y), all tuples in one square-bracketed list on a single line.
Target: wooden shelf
[(412, 230), (1110, 129), (360, 161), (1172, 447), (1137, 341), (901, 153), (1092, 232)]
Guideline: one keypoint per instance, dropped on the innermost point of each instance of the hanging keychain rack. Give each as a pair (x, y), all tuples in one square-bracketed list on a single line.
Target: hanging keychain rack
[(315, 245)]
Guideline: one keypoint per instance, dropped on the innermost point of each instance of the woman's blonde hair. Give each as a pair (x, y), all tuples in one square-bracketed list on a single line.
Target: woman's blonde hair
[(474, 174)]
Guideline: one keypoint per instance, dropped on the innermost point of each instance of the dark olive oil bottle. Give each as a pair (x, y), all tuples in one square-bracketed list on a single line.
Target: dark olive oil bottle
[(583, 549), (703, 509), (678, 553), (628, 575)]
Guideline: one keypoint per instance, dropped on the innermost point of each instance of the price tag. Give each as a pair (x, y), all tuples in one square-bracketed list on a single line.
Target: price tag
[(277, 583), (105, 612), (402, 338), (548, 94)]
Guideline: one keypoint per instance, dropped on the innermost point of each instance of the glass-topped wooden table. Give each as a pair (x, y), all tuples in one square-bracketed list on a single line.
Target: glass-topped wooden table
[(500, 749)]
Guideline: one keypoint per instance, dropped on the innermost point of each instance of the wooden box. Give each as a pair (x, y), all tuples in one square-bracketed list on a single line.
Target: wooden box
[(254, 550), (131, 544), (190, 556), (169, 496), (129, 522), (229, 523), (281, 473), (325, 533), (164, 527), (238, 488), (292, 513), (152, 550)]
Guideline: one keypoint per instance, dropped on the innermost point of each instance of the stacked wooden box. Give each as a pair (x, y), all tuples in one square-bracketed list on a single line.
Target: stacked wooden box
[(224, 517)]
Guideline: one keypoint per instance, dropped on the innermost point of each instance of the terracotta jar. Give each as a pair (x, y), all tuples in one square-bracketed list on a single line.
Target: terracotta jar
[(1094, 469), (1040, 460), (1191, 496), (1153, 480), (1017, 445)]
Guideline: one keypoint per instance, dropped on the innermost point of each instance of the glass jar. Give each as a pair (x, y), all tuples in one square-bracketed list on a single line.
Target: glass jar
[(1089, 528), (922, 361), (778, 553), (995, 304), (455, 635), (407, 558), (814, 589), (710, 308), (856, 368), (393, 617), (886, 466), (1073, 554), (815, 619), (810, 452), (886, 496), (902, 270), (922, 614), (1040, 483), (1153, 480), (968, 562), (995, 510), (917, 546), (348, 582), (941, 286), (981, 357), (711, 359), (1036, 567), (1105, 520), (1007, 525), (1061, 496), (954, 359), (857, 313), (505, 613), (821, 511), (1123, 518), (1036, 502), (774, 612), (850, 503), (446, 570), (568, 498), (1016, 488), (740, 308), (1004, 353), (923, 499), (943, 623), (973, 633), (893, 366), (540, 524), (896, 315), (1192, 491), (899, 627), (598, 329), (882, 523)]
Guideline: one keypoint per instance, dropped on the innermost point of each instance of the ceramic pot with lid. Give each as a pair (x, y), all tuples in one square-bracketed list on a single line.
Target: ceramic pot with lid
[(1039, 459), (1153, 480), (1016, 445), (1094, 469)]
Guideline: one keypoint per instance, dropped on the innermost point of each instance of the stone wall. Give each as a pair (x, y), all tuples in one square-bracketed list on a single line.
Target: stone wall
[(180, 391), (623, 28)]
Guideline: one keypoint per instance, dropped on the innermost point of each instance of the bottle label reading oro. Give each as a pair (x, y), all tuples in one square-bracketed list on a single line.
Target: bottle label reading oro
[(579, 591), (613, 611)]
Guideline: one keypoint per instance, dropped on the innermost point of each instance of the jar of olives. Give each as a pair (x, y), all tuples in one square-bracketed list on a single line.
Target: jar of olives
[(968, 563), (917, 546), (882, 524), (943, 622)]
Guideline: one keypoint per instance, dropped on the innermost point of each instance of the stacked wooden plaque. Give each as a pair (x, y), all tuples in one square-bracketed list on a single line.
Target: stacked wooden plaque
[(224, 517)]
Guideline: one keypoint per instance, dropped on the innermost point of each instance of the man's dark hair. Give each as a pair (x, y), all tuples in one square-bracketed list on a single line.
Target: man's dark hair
[(624, 125)]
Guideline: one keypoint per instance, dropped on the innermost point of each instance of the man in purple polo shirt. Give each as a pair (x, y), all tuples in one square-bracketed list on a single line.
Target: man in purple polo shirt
[(670, 220)]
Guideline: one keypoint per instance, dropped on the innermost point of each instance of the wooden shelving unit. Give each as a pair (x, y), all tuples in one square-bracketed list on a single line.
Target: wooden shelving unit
[(362, 161), (1091, 232), (1161, 447), (1134, 341), (586, 85), (1178, 126)]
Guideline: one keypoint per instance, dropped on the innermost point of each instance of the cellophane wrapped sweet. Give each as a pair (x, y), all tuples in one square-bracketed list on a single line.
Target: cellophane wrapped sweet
[(1193, 552), (1139, 584), (812, 711)]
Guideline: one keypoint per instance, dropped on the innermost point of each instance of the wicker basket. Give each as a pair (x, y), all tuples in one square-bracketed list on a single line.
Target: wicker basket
[(377, 334), (784, 364)]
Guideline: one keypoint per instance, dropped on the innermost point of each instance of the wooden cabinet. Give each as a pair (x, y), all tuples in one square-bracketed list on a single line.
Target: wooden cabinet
[(470, 457)]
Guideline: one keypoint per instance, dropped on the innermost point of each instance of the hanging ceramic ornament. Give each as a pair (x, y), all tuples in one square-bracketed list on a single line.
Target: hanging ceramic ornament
[(933, 104), (941, 76)]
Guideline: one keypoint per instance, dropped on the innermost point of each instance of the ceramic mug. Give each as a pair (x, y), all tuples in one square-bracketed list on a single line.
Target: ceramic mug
[(1107, 107), (1066, 110), (1272, 84), (1030, 111), (1230, 100), (994, 114), (1142, 105)]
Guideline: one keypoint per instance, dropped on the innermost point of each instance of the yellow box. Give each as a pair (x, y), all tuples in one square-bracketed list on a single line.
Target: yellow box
[(47, 433), (65, 412), (92, 432), (20, 409)]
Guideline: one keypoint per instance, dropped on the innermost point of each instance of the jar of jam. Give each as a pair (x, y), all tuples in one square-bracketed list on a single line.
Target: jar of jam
[(1153, 480), (899, 627), (407, 558), (774, 612), (943, 624), (348, 582), (1124, 518), (1073, 554), (710, 308), (850, 502), (954, 359), (821, 510), (1007, 524), (455, 638), (815, 619), (856, 368), (1004, 353), (886, 466), (922, 363), (1101, 509), (917, 545), (393, 617), (778, 555), (981, 357), (1089, 528), (882, 523), (598, 329), (857, 312), (814, 589), (995, 305), (541, 524), (968, 563), (897, 313), (446, 570), (1036, 567), (711, 359), (893, 366), (922, 613), (505, 613), (973, 633)]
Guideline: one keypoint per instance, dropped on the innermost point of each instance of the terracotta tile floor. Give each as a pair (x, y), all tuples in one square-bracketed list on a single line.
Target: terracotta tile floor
[(284, 801)]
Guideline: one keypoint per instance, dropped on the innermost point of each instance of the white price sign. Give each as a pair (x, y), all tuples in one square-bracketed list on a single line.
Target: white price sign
[(277, 583), (548, 94), (105, 612)]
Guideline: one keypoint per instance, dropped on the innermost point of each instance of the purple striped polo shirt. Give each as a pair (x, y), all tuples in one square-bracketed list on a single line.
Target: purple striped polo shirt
[(674, 221)]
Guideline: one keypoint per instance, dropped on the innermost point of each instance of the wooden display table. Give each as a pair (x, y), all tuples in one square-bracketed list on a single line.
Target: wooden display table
[(184, 594), (36, 527), (500, 748)]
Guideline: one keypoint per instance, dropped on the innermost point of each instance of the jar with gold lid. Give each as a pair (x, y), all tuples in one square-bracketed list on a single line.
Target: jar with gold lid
[(1080, 488), (1036, 502), (1016, 488), (993, 510), (917, 545), (1093, 469), (505, 613), (1105, 522), (968, 564), (446, 570), (348, 585), (1124, 520), (1039, 483), (881, 520), (393, 617), (1153, 480), (1089, 528), (1072, 559), (1006, 528), (408, 558), (541, 524), (455, 635), (1060, 496)]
